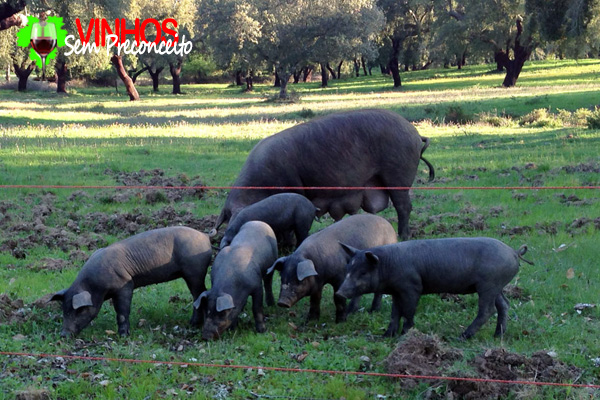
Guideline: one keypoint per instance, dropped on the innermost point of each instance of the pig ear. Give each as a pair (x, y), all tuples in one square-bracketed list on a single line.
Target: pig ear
[(351, 251), (198, 301), (305, 269), (224, 302), (277, 265), (82, 299), (58, 296), (372, 258)]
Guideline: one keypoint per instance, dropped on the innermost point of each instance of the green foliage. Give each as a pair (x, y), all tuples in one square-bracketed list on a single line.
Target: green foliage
[(593, 120), (540, 117), (457, 115), (198, 67)]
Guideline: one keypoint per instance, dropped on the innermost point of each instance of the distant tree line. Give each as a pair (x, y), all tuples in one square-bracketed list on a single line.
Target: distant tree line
[(294, 39)]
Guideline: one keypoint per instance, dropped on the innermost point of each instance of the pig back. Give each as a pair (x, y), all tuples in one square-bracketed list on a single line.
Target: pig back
[(361, 231), (151, 257), (454, 265), (254, 245)]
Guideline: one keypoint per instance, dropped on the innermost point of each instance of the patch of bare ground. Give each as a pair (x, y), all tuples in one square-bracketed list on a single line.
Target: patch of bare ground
[(425, 355)]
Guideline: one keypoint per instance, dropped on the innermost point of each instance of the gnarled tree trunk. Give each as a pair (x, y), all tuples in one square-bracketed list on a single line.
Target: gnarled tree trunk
[(324, 75), (175, 69), (284, 77), (307, 73), (393, 63), (238, 77), (23, 71), (521, 54), (61, 76), (339, 69), (155, 75), (331, 71), (129, 86)]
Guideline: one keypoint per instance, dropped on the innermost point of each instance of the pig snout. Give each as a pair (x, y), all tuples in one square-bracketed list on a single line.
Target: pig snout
[(285, 303), (346, 290)]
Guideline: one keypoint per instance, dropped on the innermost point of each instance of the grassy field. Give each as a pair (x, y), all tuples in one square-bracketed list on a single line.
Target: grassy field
[(96, 137)]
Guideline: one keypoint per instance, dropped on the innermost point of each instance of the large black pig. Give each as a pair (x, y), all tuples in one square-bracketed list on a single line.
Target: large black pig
[(365, 148)]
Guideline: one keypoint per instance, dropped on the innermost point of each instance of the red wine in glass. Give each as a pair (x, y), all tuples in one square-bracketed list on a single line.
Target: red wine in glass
[(43, 41)]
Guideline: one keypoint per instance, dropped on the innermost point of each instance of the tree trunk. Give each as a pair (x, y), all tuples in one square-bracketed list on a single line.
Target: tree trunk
[(284, 77), (501, 59), (9, 16), (61, 76), (277, 80), (393, 63), (155, 75), (385, 69), (364, 66), (331, 71), (7, 72), (238, 78), (134, 74), (324, 75), (23, 71), (521, 54), (129, 86), (339, 70), (307, 73), (356, 67), (249, 82), (175, 69), (297, 76)]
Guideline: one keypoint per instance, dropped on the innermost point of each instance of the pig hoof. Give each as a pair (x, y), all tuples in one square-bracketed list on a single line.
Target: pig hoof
[(389, 334), (261, 328)]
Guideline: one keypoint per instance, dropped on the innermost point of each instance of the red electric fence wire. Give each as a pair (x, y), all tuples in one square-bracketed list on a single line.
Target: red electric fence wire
[(298, 370), (302, 187)]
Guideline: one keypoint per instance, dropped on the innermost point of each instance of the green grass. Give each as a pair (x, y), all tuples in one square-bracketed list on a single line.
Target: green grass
[(208, 132)]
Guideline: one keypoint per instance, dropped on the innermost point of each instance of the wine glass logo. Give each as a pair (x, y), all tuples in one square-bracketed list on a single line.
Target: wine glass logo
[(43, 41)]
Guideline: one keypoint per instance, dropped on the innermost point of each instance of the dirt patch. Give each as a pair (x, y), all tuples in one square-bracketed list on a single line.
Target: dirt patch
[(578, 226), (516, 230), (503, 365), (420, 354), (583, 167), (516, 292), (51, 264), (11, 311), (155, 177)]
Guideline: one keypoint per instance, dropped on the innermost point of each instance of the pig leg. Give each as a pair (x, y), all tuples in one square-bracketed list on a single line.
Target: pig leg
[(315, 305), (340, 307), (502, 307), (376, 304), (257, 310), (122, 304), (401, 201), (486, 308), (353, 305), (196, 287), (268, 282), (395, 318), (301, 231)]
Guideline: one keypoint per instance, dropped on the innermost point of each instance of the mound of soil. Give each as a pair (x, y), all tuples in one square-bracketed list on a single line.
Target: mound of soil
[(11, 311), (421, 354), (503, 365)]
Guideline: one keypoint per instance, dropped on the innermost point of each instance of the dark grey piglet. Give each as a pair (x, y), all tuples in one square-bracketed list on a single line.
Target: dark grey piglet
[(459, 265), (237, 273), (113, 272), (286, 213), (320, 260)]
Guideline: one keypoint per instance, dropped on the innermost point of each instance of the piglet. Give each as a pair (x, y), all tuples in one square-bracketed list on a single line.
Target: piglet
[(237, 273), (113, 272), (286, 214), (319, 260), (458, 265)]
